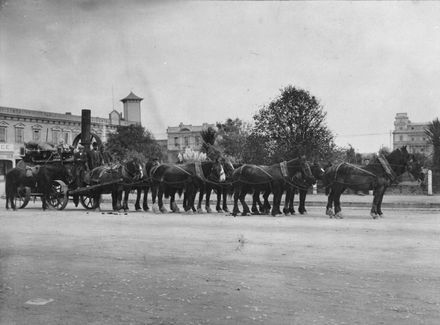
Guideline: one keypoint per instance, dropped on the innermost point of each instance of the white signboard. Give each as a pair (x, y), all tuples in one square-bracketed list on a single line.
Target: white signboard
[(6, 147)]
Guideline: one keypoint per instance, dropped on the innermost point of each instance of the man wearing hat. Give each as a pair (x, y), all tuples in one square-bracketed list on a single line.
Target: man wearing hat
[(95, 157), (80, 166)]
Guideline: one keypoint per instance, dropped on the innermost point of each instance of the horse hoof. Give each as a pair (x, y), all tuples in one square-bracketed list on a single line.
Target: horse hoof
[(220, 211), (339, 216), (381, 215), (208, 210), (156, 209), (164, 210), (189, 212), (330, 213), (373, 215), (200, 210), (138, 210)]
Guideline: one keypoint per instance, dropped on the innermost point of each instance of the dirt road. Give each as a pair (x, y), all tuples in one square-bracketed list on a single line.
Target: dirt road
[(75, 267)]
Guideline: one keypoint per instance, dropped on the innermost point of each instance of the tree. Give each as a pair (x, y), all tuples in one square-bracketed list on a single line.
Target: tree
[(209, 146), (232, 136), (256, 150), (295, 123), (433, 133), (133, 141)]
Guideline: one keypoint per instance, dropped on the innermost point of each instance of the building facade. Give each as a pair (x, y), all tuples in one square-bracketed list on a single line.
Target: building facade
[(184, 136), (18, 126), (412, 135)]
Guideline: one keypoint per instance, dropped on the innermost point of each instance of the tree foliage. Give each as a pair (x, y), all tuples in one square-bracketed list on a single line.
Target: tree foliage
[(295, 124), (133, 141), (433, 133), (232, 137)]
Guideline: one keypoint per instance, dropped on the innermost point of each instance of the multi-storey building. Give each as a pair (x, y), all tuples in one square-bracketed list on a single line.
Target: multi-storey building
[(184, 136), (18, 126), (412, 135)]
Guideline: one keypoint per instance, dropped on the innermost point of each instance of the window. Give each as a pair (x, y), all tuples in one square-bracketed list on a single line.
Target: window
[(186, 141), (197, 141), (412, 139), (36, 134), (66, 137), (176, 142), (19, 134), (55, 135), (3, 134), (401, 138)]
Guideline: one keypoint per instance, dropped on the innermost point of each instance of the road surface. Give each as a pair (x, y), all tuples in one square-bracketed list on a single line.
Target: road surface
[(80, 267)]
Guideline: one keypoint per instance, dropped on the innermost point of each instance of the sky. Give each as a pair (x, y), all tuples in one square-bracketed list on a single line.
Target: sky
[(206, 61)]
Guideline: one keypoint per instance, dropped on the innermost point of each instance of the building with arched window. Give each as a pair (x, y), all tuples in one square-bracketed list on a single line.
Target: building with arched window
[(18, 125), (182, 137), (410, 134)]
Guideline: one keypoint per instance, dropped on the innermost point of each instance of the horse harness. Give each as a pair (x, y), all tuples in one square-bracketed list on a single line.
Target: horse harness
[(199, 170), (283, 167), (387, 168)]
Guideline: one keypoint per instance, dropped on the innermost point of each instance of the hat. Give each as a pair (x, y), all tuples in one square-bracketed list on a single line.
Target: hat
[(80, 146)]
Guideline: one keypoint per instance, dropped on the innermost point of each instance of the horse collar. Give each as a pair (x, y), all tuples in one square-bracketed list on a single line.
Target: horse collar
[(199, 170), (185, 171), (387, 168), (283, 167)]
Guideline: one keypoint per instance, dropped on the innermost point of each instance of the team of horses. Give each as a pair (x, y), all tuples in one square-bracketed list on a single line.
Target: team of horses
[(226, 179)]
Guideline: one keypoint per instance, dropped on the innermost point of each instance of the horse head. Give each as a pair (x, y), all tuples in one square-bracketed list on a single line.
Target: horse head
[(399, 160), (228, 168), (217, 172), (415, 169), (317, 170), (306, 171), (132, 170)]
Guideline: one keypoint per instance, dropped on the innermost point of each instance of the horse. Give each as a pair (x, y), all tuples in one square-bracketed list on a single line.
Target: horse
[(169, 179), (113, 179), (274, 178), (220, 188), (318, 173), (45, 177), (16, 180), (379, 174), (142, 186)]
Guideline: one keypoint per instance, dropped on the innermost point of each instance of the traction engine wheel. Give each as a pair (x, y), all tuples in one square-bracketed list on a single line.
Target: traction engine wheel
[(58, 196)]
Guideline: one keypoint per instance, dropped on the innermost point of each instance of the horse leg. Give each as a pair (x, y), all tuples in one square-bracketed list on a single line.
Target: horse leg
[(377, 193), (191, 195), (235, 209), (160, 191), (266, 205), (199, 204), (329, 208), (255, 199), (302, 201), (242, 198), (145, 201), (224, 195), (276, 202), (379, 205), (125, 201), (289, 194), (337, 201), (173, 206), (208, 200), (291, 206), (137, 205), (114, 205)]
